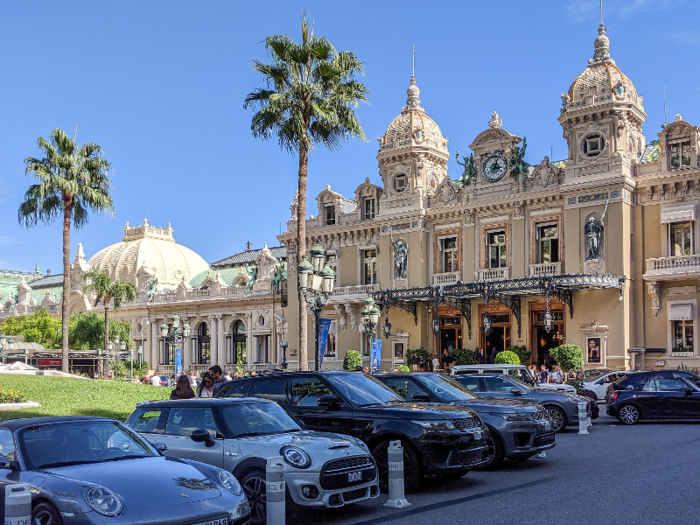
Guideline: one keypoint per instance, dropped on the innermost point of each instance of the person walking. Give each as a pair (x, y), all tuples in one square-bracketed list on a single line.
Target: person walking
[(445, 359), (492, 355), (155, 380), (571, 376), (544, 374), (182, 389), (580, 376), (482, 357), (557, 376), (415, 360), (193, 379), (206, 387)]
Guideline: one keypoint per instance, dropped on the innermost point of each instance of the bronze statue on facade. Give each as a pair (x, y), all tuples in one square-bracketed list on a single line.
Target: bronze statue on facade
[(469, 164), (592, 230), (400, 256), (518, 167)]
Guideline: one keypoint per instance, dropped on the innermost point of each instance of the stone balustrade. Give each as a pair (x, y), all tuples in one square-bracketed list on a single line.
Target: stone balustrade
[(363, 289), (680, 266), (494, 274), (446, 278), (545, 269)]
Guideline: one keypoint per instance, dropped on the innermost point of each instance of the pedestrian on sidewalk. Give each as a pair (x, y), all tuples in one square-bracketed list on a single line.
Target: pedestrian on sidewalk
[(206, 387), (182, 389), (544, 374)]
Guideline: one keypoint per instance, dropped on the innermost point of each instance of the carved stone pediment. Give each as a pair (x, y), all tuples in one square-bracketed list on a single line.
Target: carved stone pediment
[(546, 174), (446, 191)]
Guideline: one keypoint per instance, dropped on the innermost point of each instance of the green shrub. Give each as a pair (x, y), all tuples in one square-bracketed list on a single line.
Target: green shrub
[(423, 355), (352, 360), (523, 353), (568, 356), (507, 358), (403, 368), (464, 356), (11, 396), (577, 384)]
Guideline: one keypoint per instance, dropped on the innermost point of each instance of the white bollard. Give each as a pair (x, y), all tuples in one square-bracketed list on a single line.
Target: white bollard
[(275, 490), (582, 419), (18, 504), (396, 484)]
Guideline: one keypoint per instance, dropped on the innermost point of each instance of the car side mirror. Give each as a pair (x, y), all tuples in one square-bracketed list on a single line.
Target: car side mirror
[(202, 436), (160, 447), (5, 462), (517, 393), (328, 401), (421, 398)]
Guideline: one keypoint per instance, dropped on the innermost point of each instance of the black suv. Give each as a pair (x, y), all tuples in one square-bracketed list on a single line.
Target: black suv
[(438, 439), (637, 380)]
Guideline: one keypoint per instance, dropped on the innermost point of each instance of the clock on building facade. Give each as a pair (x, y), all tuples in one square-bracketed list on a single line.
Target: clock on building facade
[(494, 166)]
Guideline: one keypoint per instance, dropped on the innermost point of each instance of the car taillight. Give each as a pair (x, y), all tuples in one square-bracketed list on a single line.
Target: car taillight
[(613, 398)]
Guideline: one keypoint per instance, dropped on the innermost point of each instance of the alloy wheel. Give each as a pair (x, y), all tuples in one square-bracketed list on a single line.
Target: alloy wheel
[(557, 418), (491, 451), (629, 415), (256, 491), (44, 517)]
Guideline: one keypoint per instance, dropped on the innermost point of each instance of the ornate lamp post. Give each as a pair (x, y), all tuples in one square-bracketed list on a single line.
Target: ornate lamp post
[(144, 322), (284, 345), (173, 334), (6, 344), (548, 288), (140, 351), (370, 318), (117, 345), (316, 282)]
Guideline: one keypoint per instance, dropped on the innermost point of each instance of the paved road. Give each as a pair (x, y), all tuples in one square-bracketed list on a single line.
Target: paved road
[(648, 473)]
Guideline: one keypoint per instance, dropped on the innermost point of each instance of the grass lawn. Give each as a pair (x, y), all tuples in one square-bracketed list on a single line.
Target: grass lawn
[(63, 396)]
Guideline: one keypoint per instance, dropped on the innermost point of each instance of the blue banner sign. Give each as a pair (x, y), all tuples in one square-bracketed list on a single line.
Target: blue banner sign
[(376, 355), (323, 338), (178, 362)]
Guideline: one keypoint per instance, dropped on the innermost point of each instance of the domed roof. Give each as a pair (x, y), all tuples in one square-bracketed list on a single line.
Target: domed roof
[(154, 248), (606, 79), (414, 123)]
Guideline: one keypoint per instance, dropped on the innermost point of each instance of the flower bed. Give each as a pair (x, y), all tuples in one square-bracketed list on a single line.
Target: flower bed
[(11, 396)]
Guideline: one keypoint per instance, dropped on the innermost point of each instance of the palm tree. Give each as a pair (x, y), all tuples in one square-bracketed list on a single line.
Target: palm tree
[(71, 180), (310, 95), (106, 291)]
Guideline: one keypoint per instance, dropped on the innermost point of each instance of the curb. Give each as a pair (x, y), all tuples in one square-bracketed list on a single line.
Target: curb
[(13, 406)]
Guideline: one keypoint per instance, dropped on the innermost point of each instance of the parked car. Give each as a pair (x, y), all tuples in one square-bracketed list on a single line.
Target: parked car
[(591, 374), (437, 439), (562, 408), (601, 384), (637, 380), (517, 429), (238, 435), (519, 372), (658, 398), (87, 470)]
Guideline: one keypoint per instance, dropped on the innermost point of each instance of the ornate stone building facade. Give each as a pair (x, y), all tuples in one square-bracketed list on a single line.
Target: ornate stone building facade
[(596, 250)]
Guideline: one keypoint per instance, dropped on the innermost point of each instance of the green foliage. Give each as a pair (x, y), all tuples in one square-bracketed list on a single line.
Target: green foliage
[(403, 368), (507, 358), (64, 396), (577, 384), (353, 359), (40, 327), (106, 291), (423, 355), (86, 331), (521, 350), (465, 356), (568, 356), (11, 396)]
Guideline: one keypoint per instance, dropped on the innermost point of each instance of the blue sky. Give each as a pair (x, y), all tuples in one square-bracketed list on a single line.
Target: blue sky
[(160, 85)]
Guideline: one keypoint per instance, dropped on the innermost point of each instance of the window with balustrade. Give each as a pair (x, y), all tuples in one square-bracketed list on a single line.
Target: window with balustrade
[(369, 266), (680, 239), (547, 243), (449, 254), (496, 249)]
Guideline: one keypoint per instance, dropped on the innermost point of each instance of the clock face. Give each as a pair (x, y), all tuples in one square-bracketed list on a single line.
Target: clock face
[(494, 167)]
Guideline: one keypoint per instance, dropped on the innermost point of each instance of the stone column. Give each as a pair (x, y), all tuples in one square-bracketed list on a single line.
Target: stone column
[(213, 330), (153, 345), (221, 342)]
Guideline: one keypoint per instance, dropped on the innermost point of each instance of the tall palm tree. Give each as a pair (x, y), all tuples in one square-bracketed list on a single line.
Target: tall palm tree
[(310, 95), (107, 292), (71, 179)]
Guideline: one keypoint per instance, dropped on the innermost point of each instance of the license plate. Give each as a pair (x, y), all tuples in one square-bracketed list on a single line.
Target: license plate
[(478, 435), (220, 521), (354, 476)]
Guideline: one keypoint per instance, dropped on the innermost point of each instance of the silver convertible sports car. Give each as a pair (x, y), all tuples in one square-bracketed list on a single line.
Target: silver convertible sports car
[(86, 470)]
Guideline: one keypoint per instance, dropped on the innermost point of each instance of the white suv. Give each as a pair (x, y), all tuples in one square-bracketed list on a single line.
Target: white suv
[(519, 372)]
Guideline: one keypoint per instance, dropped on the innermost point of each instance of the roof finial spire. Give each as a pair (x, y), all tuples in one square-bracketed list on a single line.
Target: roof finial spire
[(413, 100), (601, 12), (413, 69), (602, 43)]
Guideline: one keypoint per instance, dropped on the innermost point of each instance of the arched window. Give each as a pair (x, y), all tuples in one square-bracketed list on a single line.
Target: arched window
[(201, 354), (236, 344)]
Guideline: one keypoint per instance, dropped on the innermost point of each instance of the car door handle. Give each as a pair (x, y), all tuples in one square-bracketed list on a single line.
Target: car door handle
[(229, 453)]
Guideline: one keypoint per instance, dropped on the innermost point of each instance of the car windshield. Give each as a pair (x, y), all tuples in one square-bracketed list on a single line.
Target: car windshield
[(446, 388), (256, 419), (62, 444), (362, 390), (522, 375)]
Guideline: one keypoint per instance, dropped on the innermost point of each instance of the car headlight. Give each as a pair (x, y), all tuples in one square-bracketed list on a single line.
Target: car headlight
[(103, 501), (513, 416), (229, 482), (435, 424), (295, 457), (575, 399)]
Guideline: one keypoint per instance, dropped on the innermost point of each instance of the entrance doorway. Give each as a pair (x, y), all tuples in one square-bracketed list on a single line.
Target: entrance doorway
[(450, 336), (499, 338), (543, 342)]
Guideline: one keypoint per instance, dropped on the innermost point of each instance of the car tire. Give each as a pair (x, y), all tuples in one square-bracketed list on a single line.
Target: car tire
[(628, 414), (255, 488), (45, 514), (411, 466), (495, 453), (558, 418)]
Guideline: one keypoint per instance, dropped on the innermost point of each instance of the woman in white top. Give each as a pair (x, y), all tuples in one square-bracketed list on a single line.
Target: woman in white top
[(206, 387)]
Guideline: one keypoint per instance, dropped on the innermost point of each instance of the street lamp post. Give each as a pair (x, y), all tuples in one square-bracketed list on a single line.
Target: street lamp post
[(174, 334), (284, 345), (316, 282), (6, 344), (144, 322), (370, 319), (140, 350)]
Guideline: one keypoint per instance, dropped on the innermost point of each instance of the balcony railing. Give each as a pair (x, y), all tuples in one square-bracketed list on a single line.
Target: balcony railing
[(544, 269), (494, 274), (198, 294), (363, 289), (673, 267), (446, 278)]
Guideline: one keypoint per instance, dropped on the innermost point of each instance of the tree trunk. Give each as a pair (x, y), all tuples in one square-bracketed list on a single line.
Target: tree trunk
[(106, 354), (65, 301), (301, 251)]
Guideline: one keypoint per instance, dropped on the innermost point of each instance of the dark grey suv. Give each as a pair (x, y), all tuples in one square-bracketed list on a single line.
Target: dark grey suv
[(563, 408)]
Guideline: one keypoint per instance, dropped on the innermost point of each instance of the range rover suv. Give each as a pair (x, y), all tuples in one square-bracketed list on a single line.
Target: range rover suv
[(437, 439)]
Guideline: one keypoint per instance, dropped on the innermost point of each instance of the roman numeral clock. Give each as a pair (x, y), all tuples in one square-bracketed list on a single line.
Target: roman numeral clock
[(494, 166)]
